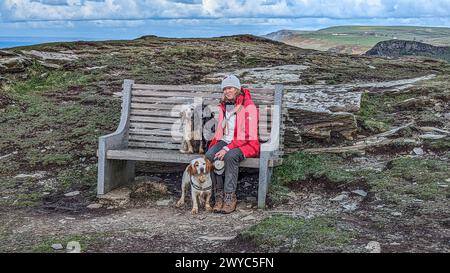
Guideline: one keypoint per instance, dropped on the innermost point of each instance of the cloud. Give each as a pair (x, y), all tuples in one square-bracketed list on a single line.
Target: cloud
[(23, 10)]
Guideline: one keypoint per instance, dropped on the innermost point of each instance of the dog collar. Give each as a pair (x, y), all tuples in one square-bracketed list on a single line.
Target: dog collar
[(197, 187)]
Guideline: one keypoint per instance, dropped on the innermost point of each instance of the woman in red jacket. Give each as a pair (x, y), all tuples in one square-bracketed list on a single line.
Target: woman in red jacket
[(235, 139)]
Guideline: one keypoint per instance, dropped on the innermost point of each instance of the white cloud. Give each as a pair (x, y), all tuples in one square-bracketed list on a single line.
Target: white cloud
[(22, 10)]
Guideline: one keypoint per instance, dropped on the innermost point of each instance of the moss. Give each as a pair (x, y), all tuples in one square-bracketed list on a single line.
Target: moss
[(44, 244), (319, 234), (374, 126), (405, 179), (301, 166), (77, 178), (439, 145)]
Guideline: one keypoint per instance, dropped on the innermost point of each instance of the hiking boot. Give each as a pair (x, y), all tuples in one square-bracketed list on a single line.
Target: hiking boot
[(218, 202), (230, 202)]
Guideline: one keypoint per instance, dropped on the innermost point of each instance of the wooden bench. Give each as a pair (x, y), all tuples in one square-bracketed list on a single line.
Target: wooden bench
[(145, 131)]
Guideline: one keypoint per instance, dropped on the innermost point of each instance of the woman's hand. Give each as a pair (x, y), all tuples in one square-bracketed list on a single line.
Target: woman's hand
[(220, 154)]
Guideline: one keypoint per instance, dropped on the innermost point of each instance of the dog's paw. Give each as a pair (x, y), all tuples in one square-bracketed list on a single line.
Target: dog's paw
[(208, 208), (180, 203), (194, 210), (183, 151)]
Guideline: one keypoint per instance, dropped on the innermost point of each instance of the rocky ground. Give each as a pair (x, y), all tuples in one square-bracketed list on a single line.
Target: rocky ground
[(367, 138)]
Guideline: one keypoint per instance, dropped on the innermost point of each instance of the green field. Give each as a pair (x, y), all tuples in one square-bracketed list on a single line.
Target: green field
[(359, 39)]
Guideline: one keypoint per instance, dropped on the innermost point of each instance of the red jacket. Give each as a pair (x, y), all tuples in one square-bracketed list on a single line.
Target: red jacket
[(246, 136)]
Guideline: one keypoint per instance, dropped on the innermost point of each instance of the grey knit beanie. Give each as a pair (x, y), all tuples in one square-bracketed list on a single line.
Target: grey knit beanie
[(231, 81)]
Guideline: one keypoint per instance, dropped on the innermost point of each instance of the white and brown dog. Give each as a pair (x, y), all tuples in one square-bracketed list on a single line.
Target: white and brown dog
[(197, 175), (192, 141)]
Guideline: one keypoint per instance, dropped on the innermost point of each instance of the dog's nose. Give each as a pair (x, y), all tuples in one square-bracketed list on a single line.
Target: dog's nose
[(202, 169)]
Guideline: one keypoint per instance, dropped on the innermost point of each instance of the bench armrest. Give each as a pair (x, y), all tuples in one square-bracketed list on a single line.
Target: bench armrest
[(119, 139)]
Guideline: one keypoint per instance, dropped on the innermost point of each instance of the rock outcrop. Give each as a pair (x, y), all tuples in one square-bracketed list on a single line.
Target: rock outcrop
[(396, 48), (319, 112)]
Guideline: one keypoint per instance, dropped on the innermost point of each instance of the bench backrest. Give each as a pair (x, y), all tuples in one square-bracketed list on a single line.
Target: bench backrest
[(155, 111)]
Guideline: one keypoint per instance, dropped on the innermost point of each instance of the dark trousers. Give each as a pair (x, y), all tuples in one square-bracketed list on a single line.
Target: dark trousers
[(231, 159)]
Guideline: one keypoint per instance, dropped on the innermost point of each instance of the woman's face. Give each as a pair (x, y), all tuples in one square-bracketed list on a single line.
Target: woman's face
[(229, 92)]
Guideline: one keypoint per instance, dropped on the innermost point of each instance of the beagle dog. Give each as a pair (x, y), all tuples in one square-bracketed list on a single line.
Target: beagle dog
[(197, 176)]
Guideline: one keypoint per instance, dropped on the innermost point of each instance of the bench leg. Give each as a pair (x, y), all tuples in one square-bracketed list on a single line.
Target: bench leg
[(265, 174), (113, 173)]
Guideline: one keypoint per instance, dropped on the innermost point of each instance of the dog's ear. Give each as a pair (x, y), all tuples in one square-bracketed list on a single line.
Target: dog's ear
[(191, 169), (209, 165)]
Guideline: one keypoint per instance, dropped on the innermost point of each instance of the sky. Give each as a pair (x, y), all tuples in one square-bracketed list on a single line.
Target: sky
[(128, 19)]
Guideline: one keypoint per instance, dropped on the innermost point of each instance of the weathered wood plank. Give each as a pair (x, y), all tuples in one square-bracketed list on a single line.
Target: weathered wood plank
[(155, 132), (154, 119), (159, 155), (153, 138), (151, 125), (163, 100), (154, 106), (190, 88), (155, 113), (184, 94), (154, 145)]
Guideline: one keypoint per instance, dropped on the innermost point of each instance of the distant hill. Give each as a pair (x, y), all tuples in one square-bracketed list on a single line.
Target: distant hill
[(395, 48), (360, 39)]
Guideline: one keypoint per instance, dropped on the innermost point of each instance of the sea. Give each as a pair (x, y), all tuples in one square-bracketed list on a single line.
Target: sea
[(8, 42)]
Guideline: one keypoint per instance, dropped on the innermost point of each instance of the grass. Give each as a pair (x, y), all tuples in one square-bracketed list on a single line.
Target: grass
[(44, 244), (319, 234), (302, 166), (53, 124), (406, 179)]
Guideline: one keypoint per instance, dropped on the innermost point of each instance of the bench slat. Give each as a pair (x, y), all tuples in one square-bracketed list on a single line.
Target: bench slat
[(154, 139), (150, 125), (158, 155), (153, 106), (155, 132), (135, 112), (189, 88), (154, 119), (180, 101), (154, 145), (210, 95)]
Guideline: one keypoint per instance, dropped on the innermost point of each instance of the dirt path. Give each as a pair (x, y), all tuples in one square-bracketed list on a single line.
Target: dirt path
[(152, 228)]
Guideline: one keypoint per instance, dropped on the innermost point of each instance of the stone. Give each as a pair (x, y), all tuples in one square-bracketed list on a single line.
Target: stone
[(51, 55), (14, 64), (248, 218), (119, 197), (447, 180), (443, 185), (73, 247), (57, 246), (250, 199), (37, 175), (431, 136), (350, 207), (71, 194), (217, 238), (395, 213), (246, 185), (339, 198), (94, 206), (291, 194), (418, 151), (373, 247), (5, 156), (360, 192), (163, 202)]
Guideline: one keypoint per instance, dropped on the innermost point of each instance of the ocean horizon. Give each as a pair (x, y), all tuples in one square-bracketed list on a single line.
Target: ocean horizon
[(10, 42)]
